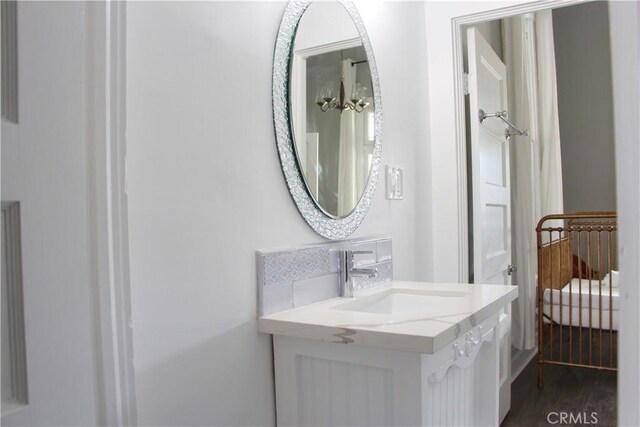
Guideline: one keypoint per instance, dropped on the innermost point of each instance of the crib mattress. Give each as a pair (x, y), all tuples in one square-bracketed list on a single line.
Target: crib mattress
[(571, 307)]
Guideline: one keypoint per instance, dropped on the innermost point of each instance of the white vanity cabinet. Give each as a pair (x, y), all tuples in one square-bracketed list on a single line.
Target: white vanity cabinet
[(387, 364), (331, 384)]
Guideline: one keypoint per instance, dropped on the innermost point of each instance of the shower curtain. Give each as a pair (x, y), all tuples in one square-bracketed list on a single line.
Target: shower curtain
[(551, 200), (536, 163)]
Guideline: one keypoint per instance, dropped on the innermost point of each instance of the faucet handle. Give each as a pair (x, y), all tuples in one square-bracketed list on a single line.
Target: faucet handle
[(349, 257), (348, 271)]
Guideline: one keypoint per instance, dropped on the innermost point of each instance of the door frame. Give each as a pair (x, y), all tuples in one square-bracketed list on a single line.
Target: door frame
[(105, 135), (486, 11)]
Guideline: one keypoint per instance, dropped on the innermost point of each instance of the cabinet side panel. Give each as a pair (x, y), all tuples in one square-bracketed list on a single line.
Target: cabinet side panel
[(335, 384), (365, 395), (447, 401)]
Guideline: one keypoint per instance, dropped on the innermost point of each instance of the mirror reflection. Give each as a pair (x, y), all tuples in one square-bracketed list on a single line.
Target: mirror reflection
[(332, 108)]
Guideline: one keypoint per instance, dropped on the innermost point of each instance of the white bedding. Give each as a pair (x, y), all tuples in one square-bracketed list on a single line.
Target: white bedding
[(572, 303)]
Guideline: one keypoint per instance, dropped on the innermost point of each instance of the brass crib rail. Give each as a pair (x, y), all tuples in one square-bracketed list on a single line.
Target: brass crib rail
[(580, 246)]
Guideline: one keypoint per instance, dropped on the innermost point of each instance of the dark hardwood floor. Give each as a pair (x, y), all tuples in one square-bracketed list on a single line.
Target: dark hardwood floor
[(576, 392)]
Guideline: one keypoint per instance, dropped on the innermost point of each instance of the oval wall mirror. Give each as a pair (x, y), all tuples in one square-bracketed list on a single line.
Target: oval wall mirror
[(327, 113)]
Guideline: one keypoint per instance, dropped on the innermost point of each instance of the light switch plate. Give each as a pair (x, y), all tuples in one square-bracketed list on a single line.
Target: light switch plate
[(395, 189)]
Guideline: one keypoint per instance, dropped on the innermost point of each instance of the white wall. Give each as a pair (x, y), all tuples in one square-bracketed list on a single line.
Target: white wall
[(585, 105), (205, 191), (324, 23), (624, 20), (45, 166)]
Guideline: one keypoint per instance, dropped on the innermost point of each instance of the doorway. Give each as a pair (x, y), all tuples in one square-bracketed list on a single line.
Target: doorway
[(582, 178), (448, 237)]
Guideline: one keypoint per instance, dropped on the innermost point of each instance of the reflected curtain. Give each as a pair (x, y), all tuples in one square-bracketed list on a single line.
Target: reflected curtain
[(347, 163), (536, 167)]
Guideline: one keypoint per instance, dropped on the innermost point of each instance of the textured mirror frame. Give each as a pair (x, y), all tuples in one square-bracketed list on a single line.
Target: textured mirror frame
[(324, 225)]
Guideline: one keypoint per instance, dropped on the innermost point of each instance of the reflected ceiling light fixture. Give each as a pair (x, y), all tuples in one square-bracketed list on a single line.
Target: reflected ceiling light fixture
[(356, 102)]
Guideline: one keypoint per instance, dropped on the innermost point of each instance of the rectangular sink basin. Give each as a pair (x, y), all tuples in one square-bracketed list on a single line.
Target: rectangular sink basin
[(404, 302)]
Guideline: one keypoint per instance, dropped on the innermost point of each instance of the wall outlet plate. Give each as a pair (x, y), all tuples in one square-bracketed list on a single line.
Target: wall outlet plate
[(395, 189)]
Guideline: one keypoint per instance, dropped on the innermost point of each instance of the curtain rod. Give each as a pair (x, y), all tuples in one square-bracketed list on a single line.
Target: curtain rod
[(502, 115)]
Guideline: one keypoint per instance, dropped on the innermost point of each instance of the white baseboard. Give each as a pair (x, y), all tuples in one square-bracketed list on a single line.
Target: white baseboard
[(519, 360)]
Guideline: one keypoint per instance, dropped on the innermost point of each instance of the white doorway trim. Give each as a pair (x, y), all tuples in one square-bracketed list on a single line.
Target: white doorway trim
[(105, 134), (624, 24)]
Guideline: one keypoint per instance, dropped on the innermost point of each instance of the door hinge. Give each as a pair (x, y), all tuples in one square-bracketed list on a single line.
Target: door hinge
[(465, 83), (511, 269)]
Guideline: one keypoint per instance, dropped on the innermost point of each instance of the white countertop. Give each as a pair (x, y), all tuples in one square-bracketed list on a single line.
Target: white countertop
[(424, 330)]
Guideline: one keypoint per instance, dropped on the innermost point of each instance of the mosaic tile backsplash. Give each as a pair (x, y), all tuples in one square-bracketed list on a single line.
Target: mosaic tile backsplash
[(301, 275)]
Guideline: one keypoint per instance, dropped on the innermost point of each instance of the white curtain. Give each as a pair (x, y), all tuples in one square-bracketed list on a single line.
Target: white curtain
[(522, 109), (536, 169), (347, 164), (551, 200)]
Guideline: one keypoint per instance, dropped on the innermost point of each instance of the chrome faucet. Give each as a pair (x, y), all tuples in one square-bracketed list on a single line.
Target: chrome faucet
[(348, 271)]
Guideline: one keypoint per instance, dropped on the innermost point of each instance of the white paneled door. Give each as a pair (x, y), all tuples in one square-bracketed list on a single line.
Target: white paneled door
[(491, 186)]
